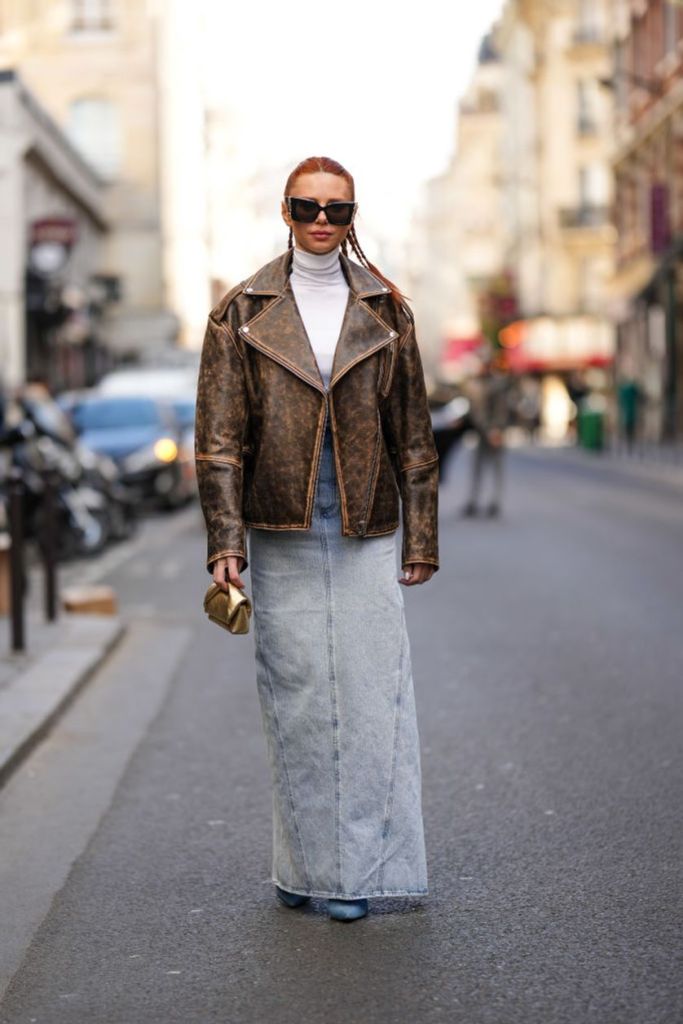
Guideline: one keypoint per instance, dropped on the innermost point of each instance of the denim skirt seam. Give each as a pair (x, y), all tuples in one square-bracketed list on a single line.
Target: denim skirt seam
[(392, 773), (334, 701)]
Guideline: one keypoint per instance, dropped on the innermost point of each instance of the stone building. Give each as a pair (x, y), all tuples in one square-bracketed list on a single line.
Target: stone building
[(531, 187), (648, 167), (54, 291), (458, 238), (94, 65)]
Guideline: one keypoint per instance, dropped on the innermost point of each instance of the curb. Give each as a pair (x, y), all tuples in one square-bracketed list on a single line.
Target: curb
[(36, 698)]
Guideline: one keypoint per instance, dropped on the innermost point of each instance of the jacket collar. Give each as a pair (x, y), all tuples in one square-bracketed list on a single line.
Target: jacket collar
[(272, 278), (279, 332)]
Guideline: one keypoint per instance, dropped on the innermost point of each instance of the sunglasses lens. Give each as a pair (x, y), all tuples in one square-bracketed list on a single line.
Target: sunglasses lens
[(339, 213), (304, 210)]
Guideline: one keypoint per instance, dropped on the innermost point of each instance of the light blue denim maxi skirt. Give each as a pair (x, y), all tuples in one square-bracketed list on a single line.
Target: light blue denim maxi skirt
[(336, 693)]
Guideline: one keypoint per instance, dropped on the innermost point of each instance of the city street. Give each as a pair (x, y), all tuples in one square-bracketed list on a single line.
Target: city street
[(548, 658)]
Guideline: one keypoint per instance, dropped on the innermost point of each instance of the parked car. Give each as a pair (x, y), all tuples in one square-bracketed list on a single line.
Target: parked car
[(144, 437), (184, 407)]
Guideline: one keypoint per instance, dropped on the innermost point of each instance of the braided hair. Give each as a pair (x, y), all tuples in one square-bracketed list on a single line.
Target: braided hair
[(314, 164)]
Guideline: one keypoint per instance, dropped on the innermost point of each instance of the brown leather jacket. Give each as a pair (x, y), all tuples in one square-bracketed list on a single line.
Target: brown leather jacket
[(262, 408)]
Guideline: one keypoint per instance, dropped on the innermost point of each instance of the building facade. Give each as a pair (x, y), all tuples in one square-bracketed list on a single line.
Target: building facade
[(530, 214), (557, 183), (459, 238), (94, 65), (648, 167), (54, 290)]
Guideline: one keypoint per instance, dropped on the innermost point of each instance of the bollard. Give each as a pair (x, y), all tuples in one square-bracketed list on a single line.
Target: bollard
[(48, 543), (17, 581)]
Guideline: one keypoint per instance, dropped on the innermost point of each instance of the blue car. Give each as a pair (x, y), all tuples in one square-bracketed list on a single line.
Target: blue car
[(145, 438)]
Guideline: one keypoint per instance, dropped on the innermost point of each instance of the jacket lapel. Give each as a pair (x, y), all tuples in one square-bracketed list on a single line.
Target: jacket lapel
[(279, 331), (363, 330)]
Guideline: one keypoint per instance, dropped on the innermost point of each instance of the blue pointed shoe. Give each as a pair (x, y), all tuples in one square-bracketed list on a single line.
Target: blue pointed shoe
[(347, 910), (290, 899)]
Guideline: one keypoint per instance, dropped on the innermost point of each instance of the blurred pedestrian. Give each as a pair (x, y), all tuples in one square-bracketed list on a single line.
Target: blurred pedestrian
[(311, 420), (528, 408), (450, 422), (490, 411), (579, 394), (629, 400)]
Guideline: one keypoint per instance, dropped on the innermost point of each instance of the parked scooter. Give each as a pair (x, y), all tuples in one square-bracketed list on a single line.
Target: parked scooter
[(79, 531), (90, 504)]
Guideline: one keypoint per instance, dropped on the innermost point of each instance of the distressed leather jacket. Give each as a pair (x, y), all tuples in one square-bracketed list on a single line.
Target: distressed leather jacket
[(262, 409)]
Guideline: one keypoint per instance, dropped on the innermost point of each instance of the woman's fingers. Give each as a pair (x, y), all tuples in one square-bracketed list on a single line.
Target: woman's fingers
[(219, 573), (416, 572), (234, 566), (228, 568)]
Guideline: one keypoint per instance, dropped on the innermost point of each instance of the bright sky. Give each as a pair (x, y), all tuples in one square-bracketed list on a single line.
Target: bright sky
[(371, 83)]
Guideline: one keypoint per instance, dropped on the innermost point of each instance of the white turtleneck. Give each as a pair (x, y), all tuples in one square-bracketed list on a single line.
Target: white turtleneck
[(321, 294)]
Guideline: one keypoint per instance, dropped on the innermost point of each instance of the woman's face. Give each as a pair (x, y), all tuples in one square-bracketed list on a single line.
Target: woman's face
[(320, 236)]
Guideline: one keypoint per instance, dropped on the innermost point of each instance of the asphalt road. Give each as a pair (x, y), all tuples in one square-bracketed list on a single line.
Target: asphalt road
[(548, 660)]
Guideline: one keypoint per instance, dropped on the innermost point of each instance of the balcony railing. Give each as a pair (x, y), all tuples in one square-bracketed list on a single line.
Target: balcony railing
[(584, 216)]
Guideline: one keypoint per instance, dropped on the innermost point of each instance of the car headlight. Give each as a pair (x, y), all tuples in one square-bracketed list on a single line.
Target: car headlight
[(163, 451)]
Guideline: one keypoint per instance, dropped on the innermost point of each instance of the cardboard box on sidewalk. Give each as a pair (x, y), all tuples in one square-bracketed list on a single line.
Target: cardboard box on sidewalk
[(90, 600)]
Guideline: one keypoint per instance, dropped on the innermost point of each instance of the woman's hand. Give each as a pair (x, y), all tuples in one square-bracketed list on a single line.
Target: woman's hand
[(417, 572), (228, 568)]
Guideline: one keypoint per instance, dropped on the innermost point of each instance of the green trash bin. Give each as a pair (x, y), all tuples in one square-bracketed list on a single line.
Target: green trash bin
[(591, 429)]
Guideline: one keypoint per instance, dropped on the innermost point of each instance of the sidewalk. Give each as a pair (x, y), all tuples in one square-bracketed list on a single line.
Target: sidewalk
[(654, 465), (37, 685)]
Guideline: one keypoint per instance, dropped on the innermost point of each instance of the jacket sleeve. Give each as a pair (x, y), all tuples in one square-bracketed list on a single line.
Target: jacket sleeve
[(220, 426), (409, 426)]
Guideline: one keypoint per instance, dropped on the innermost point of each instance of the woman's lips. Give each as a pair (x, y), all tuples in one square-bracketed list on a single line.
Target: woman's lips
[(321, 234)]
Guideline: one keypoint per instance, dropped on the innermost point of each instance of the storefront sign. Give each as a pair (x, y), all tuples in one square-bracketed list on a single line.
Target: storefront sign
[(51, 240), (545, 344)]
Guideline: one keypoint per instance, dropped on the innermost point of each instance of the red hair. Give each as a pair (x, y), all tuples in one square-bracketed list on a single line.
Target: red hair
[(315, 164)]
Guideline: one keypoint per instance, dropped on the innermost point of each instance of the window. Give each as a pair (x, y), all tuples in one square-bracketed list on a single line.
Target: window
[(589, 23), (94, 128), (111, 413), (593, 186), (92, 15), (587, 107), (670, 26)]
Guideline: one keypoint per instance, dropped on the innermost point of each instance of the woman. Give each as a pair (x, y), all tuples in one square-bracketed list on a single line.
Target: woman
[(312, 421)]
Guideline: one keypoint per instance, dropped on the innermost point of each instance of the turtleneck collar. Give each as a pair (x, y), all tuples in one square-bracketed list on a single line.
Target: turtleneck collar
[(317, 268)]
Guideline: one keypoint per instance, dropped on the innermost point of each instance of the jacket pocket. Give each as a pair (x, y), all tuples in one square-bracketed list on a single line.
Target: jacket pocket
[(386, 368)]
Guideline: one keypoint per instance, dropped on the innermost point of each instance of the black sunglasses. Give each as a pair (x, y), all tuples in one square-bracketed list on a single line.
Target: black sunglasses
[(307, 210)]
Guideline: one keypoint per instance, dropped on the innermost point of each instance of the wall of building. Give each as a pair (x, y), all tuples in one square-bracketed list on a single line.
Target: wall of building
[(528, 195), (648, 170), (100, 81), (41, 177)]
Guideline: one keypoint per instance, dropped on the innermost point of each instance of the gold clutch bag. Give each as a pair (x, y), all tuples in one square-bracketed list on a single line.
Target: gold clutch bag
[(231, 610)]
